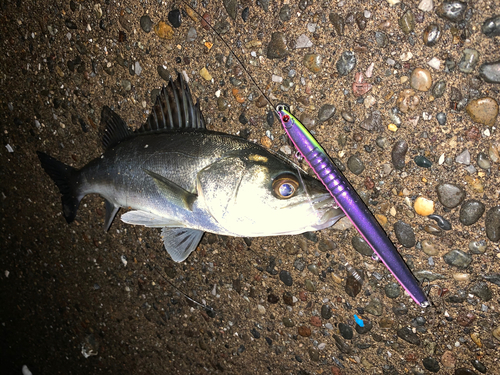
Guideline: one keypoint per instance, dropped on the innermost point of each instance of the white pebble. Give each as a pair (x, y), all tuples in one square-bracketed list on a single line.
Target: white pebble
[(276, 78), (434, 63), (124, 260), (426, 5), (406, 56), (26, 370), (9, 148)]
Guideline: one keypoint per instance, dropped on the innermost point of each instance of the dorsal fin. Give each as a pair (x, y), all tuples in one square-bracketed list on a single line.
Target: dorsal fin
[(116, 129), (174, 110)]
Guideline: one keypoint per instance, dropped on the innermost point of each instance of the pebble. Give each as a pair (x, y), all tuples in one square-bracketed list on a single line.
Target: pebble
[(490, 72), (126, 84), (299, 264), (164, 31), (304, 331), (222, 106), (352, 286), (482, 161), (374, 307), (286, 278), (407, 100), (461, 277), (355, 164), (174, 17), (471, 211), (479, 366), (439, 89), (392, 290), (373, 122), (491, 26), (422, 161), (441, 221), (310, 285), (346, 331), (404, 234), (338, 23), (457, 258), (326, 112), (361, 246), (346, 63), (381, 39), (448, 359), (423, 206), (205, 74), (483, 110), (313, 354), (191, 35), (398, 154), (312, 61), (482, 291), (288, 299), (407, 334), (452, 10), (287, 322), (478, 247), (407, 22), (285, 13), (431, 35), (433, 229), (431, 364), (326, 245), (421, 79), (493, 153), (426, 5), (368, 325), (469, 60), (326, 312), (496, 333), (163, 73), (492, 224), (146, 23), (463, 157), (277, 47), (315, 321), (441, 118), (429, 248), (313, 269), (303, 42)]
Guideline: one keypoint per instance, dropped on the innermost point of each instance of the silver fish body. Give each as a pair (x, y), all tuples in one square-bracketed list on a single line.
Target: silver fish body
[(174, 174)]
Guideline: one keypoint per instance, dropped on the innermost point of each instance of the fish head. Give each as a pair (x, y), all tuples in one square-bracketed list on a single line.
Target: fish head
[(261, 194)]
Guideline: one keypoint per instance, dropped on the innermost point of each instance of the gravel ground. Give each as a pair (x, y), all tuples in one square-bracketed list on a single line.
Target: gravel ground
[(419, 121)]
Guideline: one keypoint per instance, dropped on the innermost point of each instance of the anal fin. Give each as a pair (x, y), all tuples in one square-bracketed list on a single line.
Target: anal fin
[(180, 242), (111, 211)]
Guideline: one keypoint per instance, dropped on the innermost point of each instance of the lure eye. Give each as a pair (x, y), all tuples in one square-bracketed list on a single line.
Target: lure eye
[(286, 118), (285, 187)]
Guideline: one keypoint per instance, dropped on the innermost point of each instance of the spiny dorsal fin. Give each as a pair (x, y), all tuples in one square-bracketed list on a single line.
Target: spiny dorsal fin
[(174, 110), (116, 129)]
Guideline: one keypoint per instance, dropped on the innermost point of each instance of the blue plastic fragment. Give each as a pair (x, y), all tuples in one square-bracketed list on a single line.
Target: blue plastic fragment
[(359, 321)]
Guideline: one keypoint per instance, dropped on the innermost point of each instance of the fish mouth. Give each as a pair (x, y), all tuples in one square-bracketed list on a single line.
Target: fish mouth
[(327, 211)]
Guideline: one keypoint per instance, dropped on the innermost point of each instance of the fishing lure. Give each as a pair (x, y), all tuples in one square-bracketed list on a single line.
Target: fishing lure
[(351, 203)]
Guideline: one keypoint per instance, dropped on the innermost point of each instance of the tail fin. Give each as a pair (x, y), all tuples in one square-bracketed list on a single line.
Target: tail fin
[(63, 176)]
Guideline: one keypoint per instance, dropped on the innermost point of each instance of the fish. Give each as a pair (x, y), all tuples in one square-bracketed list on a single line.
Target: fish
[(175, 174)]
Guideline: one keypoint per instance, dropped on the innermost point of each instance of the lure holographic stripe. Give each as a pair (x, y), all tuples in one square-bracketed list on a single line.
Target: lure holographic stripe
[(351, 203)]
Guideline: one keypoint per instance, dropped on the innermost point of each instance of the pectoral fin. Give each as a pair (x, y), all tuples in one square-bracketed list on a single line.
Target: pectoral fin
[(148, 219), (111, 211), (172, 191), (180, 242)]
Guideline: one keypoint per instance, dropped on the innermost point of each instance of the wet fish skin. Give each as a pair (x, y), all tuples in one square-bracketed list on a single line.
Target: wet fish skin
[(176, 175)]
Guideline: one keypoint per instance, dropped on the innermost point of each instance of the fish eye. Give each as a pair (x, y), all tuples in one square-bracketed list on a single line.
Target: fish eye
[(285, 187)]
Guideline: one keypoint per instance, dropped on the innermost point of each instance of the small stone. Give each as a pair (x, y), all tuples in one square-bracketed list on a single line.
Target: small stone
[(493, 153), (352, 286), (439, 89), (326, 112), (174, 17), (303, 42), (490, 72), (481, 290), (368, 325), (441, 221), (457, 258), (433, 229), (304, 331), (286, 278), (407, 100), (392, 290), (491, 26), (422, 161), (450, 195), (346, 63), (287, 322), (478, 366), (398, 154), (345, 331), (471, 211), (469, 60), (285, 13), (461, 277), (326, 312), (312, 62), (429, 248), (478, 247), (338, 23), (452, 10), (431, 364), (493, 224), (421, 79), (448, 359), (299, 264), (355, 164), (231, 7), (483, 110), (126, 84), (205, 74), (191, 35), (427, 275), (313, 269), (277, 48), (407, 22), (407, 334), (373, 122), (374, 307), (423, 206), (146, 23), (404, 234), (310, 285), (315, 321), (482, 161), (261, 309), (164, 31), (361, 246), (313, 354), (441, 118), (496, 333), (463, 157), (426, 5), (381, 39)]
